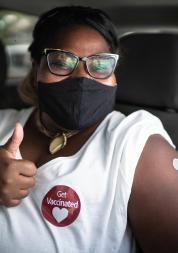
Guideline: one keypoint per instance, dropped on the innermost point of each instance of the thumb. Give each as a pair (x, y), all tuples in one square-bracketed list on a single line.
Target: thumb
[(15, 140)]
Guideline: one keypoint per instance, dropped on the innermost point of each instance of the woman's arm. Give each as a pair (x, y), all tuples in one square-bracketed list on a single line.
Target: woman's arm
[(153, 204)]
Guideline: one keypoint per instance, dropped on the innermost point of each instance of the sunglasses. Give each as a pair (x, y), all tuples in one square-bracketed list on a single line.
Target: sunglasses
[(63, 63)]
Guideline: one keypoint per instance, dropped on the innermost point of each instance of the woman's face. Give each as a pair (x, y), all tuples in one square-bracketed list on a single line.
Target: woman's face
[(82, 41)]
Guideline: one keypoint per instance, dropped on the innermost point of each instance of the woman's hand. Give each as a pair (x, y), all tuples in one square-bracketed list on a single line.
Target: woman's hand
[(16, 176)]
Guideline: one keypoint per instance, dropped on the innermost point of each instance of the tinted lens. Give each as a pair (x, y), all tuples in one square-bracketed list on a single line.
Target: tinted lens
[(61, 63), (101, 66)]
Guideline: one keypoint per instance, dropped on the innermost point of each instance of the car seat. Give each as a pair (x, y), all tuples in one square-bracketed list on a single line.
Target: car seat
[(3, 63), (148, 77), (9, 97)]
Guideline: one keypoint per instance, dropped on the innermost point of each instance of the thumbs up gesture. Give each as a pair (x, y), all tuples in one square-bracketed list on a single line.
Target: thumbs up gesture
[(16, 176)]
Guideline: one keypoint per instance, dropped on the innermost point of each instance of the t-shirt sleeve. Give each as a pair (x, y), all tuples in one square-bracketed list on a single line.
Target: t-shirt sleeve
[(8, 118), (141, 125)]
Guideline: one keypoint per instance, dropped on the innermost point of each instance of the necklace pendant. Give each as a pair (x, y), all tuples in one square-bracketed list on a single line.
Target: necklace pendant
[(58, 143)]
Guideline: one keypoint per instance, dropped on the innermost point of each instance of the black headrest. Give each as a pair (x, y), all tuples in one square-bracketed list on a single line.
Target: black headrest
[(9, 98), (3, 63), (148, 71)]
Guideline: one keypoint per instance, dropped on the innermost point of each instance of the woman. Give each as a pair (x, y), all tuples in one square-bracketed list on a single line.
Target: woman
[(78, 175)]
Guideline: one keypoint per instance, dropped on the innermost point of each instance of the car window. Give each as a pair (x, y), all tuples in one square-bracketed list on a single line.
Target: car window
[(15, 34)]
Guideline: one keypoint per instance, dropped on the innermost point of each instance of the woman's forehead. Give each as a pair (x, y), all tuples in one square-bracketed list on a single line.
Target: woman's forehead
[(80, 39)]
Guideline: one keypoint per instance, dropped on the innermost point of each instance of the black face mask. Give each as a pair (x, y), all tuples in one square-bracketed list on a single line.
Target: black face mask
[(76, 103)]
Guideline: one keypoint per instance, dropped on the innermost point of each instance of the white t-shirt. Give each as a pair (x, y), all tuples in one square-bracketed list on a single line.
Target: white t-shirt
[(79, 203)]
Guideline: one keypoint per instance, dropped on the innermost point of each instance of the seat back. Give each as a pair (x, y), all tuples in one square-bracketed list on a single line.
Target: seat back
[(148, 77), (3, 64), (9, 97)]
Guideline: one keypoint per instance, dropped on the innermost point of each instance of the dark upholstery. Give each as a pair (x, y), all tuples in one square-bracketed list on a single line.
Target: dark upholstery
[(9, 97), (148, 77), (3, 64)]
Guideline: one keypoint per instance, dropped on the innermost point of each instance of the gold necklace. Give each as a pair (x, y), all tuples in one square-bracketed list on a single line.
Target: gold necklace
[(59, 140)]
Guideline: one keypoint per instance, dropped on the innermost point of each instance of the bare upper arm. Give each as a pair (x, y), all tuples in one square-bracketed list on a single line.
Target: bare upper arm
[(153, 204)]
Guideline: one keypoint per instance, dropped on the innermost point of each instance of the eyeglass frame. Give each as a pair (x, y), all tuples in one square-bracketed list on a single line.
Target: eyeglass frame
[(84, 59)]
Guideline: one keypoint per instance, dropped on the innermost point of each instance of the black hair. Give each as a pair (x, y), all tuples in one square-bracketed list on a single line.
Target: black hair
[(61, 17)]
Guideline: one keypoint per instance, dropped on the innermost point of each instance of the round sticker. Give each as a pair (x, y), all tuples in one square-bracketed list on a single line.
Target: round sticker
[(61, 205)]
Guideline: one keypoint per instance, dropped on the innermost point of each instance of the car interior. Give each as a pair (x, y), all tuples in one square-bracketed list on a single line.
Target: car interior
[(147, 71), (148, 68)]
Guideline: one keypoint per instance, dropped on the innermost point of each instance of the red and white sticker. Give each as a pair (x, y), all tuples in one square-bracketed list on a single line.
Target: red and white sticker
[(61, 205)]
